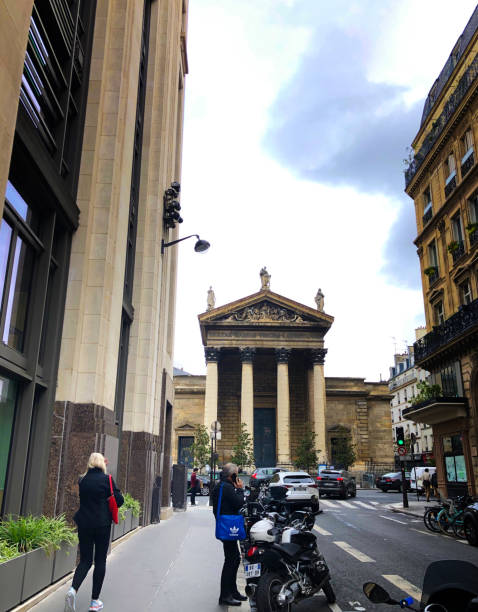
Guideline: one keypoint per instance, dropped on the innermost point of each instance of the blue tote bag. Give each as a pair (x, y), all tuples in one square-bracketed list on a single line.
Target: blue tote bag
[(229, 526)]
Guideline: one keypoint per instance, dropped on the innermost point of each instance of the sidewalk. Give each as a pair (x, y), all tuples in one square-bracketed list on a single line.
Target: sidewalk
[(173, 566), (414, 508)]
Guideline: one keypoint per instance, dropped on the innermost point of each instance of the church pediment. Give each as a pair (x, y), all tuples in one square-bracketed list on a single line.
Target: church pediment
[(264, 311)]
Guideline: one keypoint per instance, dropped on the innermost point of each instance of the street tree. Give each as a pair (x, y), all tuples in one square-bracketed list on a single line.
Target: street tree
[(242, 451), (201, 447), (343, 449), (306, 455)]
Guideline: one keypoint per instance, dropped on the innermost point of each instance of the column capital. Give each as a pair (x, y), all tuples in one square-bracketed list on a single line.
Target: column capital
[(247, 353), (283, 355), (317, 356), (211, 353)]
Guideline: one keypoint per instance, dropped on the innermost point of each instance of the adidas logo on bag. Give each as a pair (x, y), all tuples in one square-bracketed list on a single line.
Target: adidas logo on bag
[(234, 530)]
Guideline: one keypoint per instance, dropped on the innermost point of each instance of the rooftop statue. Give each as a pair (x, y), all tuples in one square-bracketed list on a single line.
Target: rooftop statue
[(319, 300), (265, 279), (211, 299)]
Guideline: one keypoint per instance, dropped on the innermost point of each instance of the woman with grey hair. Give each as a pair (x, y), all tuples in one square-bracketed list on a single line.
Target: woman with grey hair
[(231, 503)]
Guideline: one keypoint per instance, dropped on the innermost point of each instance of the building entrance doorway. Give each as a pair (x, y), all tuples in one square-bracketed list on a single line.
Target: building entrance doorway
[(184, 451), (265, 437)]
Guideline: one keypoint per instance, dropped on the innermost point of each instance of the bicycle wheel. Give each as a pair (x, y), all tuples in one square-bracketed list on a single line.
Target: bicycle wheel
[(444, 521), (459, 528), (430, 519)]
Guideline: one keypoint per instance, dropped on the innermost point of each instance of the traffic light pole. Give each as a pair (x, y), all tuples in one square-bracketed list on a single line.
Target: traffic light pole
[(404, 484)]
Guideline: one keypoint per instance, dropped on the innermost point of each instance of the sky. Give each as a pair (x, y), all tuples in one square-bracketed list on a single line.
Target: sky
[(298, 114)]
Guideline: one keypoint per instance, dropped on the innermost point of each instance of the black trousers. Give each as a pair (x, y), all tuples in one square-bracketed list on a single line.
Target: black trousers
[(232, 559), (193, 496), (99, 539)]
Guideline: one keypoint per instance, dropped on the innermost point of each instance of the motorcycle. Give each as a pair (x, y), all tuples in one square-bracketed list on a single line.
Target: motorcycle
[(284, 563), (448, 586)]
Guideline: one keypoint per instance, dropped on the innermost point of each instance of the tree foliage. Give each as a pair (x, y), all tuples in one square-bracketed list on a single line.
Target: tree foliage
[(344, 451), (201, 447), (306, 455), (242, 451)]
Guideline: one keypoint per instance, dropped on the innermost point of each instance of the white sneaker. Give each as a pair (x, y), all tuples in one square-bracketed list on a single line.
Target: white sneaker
[(70, 600), (95, 605)]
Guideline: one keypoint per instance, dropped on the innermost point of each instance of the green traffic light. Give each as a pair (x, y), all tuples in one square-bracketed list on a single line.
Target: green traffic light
[(400, 442)]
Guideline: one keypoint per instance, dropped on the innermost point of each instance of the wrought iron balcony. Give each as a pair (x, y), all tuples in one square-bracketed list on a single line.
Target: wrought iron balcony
[(437, 410), (473, 237), (459, 324), (468, 164), (464, 84), (450, 186), (459, 251), (427, 216)]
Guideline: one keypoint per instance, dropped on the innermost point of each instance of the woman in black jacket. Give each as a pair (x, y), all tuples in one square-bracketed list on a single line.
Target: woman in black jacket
[(94, 525)]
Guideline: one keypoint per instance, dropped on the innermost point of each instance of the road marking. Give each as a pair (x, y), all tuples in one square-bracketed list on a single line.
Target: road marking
[(365, 505), (354, 552), (344, 503), (424, 532), (334, 607), (328, 503), (404, 585), (375, 503), (321, 531), (394, 520)]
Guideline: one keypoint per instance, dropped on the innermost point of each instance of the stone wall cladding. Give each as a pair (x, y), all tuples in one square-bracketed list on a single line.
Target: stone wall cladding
[(299, 413), (229, 402)]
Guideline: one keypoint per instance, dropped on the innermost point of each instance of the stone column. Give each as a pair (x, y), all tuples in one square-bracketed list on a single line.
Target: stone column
[(247, 389), (283, 407), (210, 402), (318, 401)]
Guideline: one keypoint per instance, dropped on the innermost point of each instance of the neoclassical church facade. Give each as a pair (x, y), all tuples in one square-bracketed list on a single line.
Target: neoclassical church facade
[(265, 356)]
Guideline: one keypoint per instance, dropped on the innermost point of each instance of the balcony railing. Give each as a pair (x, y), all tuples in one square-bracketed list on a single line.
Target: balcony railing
[(473, 237), (468, 164), (432, 273), (427, 216), (459, 323), (459, 251), (450, 186), (464, 84)]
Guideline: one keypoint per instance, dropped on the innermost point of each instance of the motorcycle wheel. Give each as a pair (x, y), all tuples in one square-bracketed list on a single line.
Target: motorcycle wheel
[(268, 588), (329, 593)]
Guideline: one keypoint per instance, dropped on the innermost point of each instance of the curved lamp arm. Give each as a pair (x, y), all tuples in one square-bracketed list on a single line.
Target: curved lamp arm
[(200, 246)]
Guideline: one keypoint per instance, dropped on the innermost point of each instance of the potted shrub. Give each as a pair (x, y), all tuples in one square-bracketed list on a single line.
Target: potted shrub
[(430, 271), (452, 246), (65, 541), (118, 529), (12, 569), (472, 227), (133, 506)]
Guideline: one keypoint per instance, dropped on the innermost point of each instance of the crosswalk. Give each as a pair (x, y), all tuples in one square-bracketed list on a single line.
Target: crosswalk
[(356, 505)]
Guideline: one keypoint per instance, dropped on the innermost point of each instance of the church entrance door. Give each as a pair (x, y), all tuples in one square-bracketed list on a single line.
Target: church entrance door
[(265, 437)]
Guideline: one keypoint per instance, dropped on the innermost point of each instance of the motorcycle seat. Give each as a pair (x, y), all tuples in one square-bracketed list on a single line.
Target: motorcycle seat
[(290, 550)]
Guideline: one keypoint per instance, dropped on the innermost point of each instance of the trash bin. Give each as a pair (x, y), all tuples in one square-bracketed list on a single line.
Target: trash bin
[(180, 487)]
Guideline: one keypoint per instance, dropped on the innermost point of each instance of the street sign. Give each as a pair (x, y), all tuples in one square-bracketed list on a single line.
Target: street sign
[(406, 458), (402, 450), (216, 426)]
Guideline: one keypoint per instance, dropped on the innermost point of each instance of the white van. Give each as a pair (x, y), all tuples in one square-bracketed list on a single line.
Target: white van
[(416, 477)]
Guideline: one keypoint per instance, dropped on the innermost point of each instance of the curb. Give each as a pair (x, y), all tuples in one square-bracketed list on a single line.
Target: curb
[(406, 511)]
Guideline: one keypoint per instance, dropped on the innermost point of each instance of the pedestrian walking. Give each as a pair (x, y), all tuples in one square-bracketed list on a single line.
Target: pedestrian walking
[(228, 499), (426, 481), (93, 520), (195, 485), (434, 483)]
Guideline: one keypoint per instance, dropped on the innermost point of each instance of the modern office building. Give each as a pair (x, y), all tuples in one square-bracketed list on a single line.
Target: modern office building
[(91, 117), (443, 182)]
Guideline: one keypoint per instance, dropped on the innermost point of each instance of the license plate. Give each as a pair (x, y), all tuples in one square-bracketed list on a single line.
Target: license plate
[(329, 484), (252, 570)]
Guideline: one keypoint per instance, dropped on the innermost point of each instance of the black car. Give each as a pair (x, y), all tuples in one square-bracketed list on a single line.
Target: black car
[(336, 482), (205, 485), (392, 481), (263, 474), (470, 519)]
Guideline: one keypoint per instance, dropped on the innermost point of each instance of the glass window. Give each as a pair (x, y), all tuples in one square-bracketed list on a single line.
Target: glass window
[(439, 314), (450, 167), (473, 207), (457, 229), (432, 254), (8, 396), (427, 200), (5, 239), (454, 458), (465, 292), (276, 477)]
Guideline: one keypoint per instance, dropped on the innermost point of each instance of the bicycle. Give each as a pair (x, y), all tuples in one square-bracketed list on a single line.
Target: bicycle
[(451, 516)]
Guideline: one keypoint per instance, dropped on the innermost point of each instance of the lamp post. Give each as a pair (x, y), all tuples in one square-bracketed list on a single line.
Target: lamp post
[(200, 247), (215, 434)]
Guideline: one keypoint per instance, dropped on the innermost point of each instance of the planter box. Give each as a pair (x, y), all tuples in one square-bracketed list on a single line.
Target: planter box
[(118, 530), (38, 572), (134, 522), (128, 521), (11, 582), (65, 561)]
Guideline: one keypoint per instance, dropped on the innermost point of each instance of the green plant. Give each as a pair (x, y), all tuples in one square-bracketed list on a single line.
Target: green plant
[(130, 503), (430, 270), (472, 227), (7, 552), (122, 513), (242, 451), (26, 533), (452, 246), (306, 454), (200, 449), (426, 392)]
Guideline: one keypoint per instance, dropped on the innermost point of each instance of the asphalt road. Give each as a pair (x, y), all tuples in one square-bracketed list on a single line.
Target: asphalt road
[(364, 541)]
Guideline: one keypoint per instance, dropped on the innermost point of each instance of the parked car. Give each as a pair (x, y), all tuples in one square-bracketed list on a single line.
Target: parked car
[(470, 520), (336, 482), (263, 474), (301, 488), (416, 474), (392, 481), (205, 484)]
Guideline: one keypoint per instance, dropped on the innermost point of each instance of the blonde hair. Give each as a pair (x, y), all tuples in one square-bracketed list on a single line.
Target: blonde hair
[(96, 460)]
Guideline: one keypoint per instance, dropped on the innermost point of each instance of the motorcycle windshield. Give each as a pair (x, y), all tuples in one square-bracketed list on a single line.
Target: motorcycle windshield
[(444, 575)]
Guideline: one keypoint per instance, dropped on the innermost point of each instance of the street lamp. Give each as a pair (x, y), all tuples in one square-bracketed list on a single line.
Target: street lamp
[(200, 247), (215, 434)]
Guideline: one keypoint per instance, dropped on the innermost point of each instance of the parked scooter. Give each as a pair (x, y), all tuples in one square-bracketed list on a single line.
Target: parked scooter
[(448, 586)]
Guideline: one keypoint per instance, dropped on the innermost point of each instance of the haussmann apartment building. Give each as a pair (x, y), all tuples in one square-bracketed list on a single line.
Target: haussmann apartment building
[(443, 182), (91, 117)]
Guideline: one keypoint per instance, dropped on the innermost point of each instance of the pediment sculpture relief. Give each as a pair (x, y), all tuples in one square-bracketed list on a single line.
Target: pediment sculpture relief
[(265, 312)]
